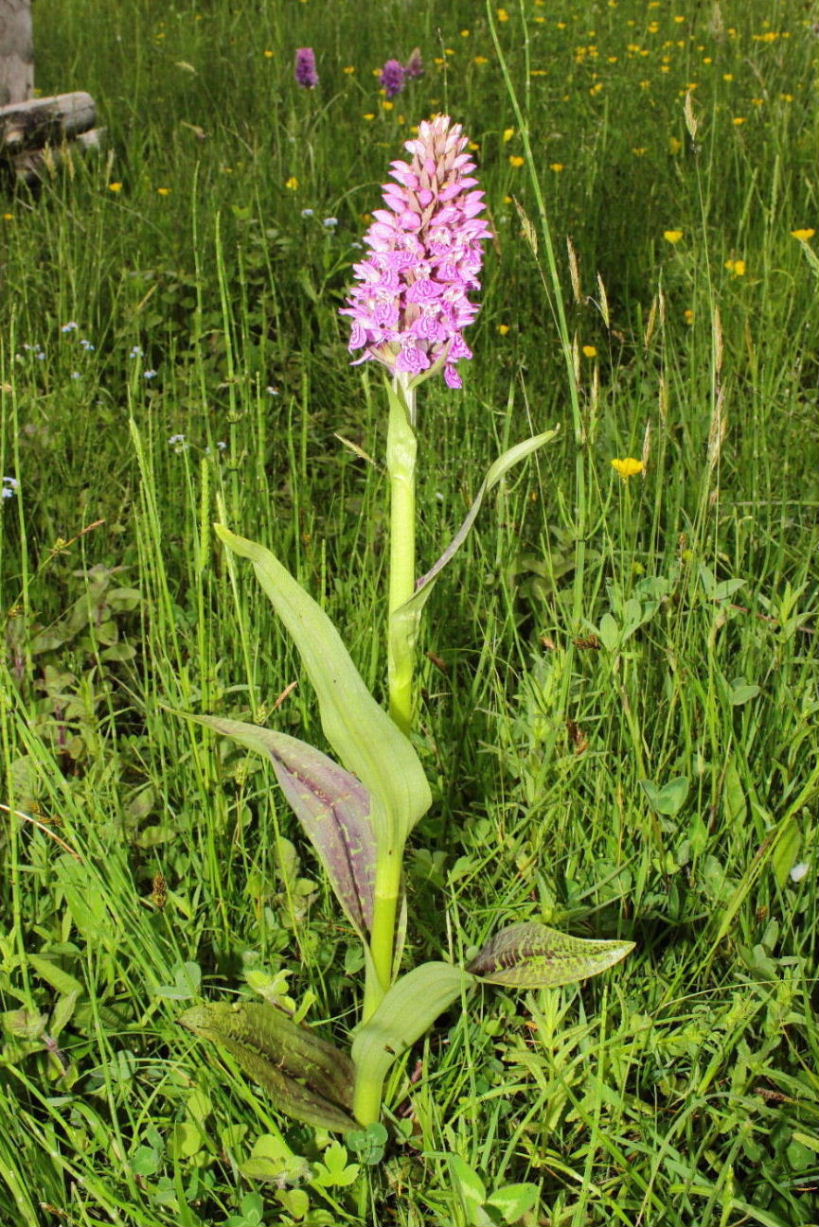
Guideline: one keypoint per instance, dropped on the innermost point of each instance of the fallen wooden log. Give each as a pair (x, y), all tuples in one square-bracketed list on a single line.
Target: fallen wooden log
[(31, 165), (45, 121)]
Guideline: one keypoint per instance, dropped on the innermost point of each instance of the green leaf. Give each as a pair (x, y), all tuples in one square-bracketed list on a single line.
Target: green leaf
[(308, 1078), (54, 975), (85, 899), (368, 1144), (406, 1012), (335, 1172), (535, 956), (741, 692), (514, 1200), (187, 979), (366, 740), (669, 799), (609, 632), (272, 1160), (786, 851), (470, 1185), (405, 620), (332, 806)]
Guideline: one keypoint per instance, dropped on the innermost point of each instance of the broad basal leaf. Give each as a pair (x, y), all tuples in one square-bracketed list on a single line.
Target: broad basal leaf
[(535, 956), (306, 1077), (366, 740), (407, 1011), (332, 806), (404, 621)]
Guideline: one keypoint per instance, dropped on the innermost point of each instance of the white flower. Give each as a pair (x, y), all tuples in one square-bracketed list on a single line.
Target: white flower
[(799, 871)]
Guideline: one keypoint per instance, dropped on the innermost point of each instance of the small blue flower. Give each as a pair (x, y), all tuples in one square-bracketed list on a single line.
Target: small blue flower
[(307, 212), (11, 482), (221, 445), (71, 326), (330, 223), (76, 375), (136, 352), (149, 374), (177, 440), (87, 346), (8, 492)]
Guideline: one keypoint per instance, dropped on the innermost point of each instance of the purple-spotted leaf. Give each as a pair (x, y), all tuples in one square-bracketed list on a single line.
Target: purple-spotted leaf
[(331, 804), (535, 956), (307, 1077)]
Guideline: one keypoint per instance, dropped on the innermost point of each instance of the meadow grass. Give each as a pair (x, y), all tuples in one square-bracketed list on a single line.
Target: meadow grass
[(619, 687)]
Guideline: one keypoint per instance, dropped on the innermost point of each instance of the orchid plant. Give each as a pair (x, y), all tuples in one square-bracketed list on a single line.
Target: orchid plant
[(409, 308)]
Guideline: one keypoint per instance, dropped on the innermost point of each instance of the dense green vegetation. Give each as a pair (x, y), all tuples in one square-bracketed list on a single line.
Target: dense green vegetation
[(620, 715)]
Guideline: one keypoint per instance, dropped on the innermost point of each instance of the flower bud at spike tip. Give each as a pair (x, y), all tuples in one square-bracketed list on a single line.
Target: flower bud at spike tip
[(414, 66), (306, 73), (410, 305)]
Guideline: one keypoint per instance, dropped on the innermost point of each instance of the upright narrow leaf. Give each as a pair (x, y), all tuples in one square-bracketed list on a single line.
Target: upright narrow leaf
[(306, 1077), (362, 734), (404, 621), (331, 804), (535, 956)]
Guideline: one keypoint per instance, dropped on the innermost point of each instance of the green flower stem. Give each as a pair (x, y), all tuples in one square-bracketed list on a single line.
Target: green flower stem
[(386, 897), (401, 453), (367, 1100), (368, 1091)]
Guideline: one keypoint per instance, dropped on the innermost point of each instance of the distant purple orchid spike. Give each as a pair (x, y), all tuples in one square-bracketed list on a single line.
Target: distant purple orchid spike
[(392, 78), (410, 306), (306, 73)]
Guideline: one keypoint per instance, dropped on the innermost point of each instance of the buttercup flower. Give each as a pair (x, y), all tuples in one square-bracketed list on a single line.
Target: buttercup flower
[(410, 306), (628, 467), (804, 235), (392, 78), (306, 73)]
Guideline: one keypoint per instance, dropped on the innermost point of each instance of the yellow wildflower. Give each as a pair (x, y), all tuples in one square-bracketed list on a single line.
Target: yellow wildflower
[(503, 15), (557, 167), (804, 236), (628, 467), (673, 236), (292, 184), (516, 160), (508, 133), (114, 187), (590, 351), (503, 329), (737, 267)]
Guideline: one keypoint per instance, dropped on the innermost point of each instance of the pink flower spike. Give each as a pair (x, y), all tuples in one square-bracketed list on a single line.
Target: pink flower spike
[(305, 72), (425, 252)]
